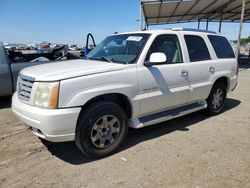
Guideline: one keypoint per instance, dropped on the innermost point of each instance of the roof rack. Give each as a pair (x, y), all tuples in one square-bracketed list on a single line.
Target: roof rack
[(195, 30)]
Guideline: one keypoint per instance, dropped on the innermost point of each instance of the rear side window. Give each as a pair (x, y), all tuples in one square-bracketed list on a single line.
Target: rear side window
[(221, 46), (197, 48)]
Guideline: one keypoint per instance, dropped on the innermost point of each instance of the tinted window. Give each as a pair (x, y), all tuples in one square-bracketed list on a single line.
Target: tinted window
[(221, 46), (169, 45), (197, 48)]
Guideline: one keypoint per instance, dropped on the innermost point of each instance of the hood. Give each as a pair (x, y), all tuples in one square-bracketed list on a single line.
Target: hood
[(69, 69)]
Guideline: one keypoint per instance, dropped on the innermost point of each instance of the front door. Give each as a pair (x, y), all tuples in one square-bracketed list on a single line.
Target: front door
[(163, 86)]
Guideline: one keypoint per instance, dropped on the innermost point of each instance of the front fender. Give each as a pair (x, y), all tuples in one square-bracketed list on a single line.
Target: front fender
[(84, 96)]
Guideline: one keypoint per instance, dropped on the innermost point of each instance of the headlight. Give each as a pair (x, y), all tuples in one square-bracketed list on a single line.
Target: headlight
[(47, 94)]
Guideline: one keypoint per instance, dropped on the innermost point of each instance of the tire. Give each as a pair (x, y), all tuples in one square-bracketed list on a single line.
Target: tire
[(101, 128), (216, 99)]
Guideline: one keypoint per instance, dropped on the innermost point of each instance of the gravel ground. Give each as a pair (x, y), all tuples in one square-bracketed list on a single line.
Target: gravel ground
[(191, 151)]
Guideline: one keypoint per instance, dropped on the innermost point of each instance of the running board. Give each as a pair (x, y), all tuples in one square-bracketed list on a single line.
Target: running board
[(167, 115)]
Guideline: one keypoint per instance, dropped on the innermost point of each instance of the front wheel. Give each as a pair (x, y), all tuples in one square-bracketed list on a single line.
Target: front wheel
[(216, 99), (101, 129)]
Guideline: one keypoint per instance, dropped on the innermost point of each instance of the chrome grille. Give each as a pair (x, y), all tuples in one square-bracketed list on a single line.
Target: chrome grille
[(24, 87)]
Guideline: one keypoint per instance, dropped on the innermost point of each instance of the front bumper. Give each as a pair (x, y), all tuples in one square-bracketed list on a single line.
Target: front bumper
[(55, 125)]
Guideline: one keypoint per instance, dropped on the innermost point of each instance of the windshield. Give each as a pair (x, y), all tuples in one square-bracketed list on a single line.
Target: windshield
[(123, 48)]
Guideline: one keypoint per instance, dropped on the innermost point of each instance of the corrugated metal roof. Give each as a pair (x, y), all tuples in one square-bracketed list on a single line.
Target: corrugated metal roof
[(177, 11)]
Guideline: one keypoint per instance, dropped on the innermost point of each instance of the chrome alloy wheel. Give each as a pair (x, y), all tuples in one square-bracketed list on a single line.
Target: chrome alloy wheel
[(105, 131), (217, 100)]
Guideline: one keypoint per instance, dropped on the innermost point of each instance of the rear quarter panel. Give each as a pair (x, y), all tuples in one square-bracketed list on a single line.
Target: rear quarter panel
[(224, 67)]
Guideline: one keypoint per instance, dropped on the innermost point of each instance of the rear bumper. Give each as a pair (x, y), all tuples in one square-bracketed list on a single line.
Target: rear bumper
[(233, 83), (55, 125)]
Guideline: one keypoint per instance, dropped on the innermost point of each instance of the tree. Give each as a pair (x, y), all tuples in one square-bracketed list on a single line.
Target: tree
[(245, 40)]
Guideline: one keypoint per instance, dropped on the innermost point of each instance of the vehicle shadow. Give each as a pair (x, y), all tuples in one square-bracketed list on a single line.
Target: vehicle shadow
[(5, 102), (68, 151)]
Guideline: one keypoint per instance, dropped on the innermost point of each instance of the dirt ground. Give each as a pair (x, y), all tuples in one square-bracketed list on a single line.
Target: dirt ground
[(191, 151)]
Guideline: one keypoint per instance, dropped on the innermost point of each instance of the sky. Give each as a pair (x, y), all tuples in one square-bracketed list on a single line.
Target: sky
[(69, 21)]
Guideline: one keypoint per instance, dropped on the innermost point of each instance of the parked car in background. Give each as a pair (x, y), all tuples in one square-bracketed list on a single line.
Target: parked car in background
[(9, 72), (12, 61), (133, 79), (73, 48)]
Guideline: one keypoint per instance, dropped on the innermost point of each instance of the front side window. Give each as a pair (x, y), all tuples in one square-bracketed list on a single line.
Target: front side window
[(124, 48), (169, 45), (221, 46), (197, 48)]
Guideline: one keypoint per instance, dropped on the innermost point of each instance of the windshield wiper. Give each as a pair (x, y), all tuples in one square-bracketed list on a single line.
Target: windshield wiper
[(103, 58)]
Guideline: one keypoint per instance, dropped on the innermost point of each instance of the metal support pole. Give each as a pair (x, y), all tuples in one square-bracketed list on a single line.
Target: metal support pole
[(146, 26), (141, 14), (199, 24), (207, 24), (220, 24), (241, 24)]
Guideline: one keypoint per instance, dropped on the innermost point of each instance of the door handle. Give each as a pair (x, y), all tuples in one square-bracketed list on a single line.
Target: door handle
[(184, 73), (211, 69)]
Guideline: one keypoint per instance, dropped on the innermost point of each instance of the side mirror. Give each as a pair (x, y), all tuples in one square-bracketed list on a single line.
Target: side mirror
[(156, 58)]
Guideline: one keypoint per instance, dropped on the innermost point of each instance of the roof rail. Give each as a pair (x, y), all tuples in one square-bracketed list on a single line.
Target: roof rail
[(195, 30)]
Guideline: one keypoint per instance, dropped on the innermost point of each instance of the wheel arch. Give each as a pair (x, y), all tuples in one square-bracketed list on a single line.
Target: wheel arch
[(225, 80), (117, 98)]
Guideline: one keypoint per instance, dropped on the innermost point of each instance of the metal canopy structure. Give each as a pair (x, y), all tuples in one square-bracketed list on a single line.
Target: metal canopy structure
[(179, 11), (156, 12)]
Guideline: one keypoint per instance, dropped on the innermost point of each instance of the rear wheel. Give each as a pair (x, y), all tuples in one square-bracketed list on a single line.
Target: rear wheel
[(101, 129), (216, 99)]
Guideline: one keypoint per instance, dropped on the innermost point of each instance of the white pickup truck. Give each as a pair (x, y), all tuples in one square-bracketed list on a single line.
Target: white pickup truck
[(133, 79)]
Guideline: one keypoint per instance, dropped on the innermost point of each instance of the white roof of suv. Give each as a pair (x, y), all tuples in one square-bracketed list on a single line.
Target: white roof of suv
[(186, 30)]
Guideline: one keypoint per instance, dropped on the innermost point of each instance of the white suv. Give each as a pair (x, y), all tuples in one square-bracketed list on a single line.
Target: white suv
[(133, 79)]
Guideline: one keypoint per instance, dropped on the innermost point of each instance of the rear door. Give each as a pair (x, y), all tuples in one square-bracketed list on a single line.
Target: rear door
[(200, 67), (163, 86), (5, 73)]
